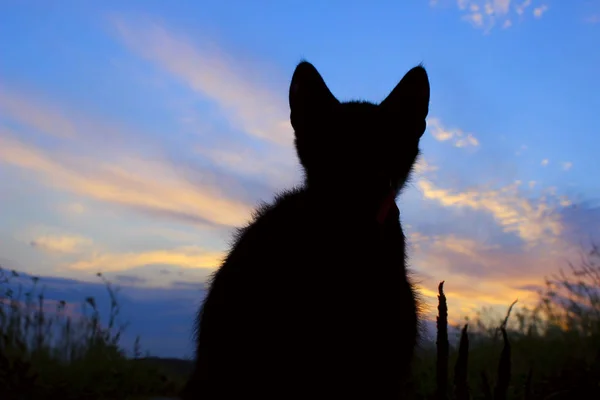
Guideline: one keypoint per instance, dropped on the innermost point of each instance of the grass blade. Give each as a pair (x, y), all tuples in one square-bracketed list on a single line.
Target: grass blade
[(461, 387), (442, 346)]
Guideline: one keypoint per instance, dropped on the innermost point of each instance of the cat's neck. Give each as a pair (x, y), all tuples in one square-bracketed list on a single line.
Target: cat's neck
[(340, 202)]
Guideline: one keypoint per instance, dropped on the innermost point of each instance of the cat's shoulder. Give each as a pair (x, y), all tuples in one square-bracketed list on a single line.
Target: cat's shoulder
[(285, 206), (286, 202)]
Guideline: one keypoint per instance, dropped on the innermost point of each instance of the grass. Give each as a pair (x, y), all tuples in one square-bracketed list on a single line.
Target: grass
[(549, 352), (47, 352)]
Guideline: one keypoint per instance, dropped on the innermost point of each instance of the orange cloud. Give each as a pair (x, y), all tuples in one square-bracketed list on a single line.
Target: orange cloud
[(465, 299), (61, 244), (142, 184), (206, 70), (501, 276), (185, 257), (457, 136), (502, 273), (75, 208), (464, 246), (43, 118), (423, 166), (532, 221)]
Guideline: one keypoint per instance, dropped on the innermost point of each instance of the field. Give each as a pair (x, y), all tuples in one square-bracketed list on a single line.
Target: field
[(551, 351)]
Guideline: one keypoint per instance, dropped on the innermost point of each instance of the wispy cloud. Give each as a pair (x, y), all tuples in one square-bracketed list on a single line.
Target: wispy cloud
[(129, 279), (456, 136), (532, 221), (545, 162), (423, 166), (500, 272), (149, 186), (539, 11), (61, 244), (35, 112), (521, 7), (277, 168), (592, 19), (207, 70), (461, 245), (521, 150), (503, 271), (184, 257), (117, 173), (567, 165), (487, 14), (43, 118), (75, 208)]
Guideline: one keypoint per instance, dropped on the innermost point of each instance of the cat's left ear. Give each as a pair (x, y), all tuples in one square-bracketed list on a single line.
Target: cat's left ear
[(309, 96), (411, 96)]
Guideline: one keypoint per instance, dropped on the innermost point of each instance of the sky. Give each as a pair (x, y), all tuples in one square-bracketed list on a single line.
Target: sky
[(136, 136)]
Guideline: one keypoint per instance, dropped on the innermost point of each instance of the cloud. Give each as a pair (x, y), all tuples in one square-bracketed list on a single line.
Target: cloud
[(475, 18), (129, 279), (34, 112), (533, 221), (520, 8), (150, 186), (252, 107), (567, 165), (102, 161), (423, 166), (188, 285), (539, 11), (521, 150), (75, 208), (592, 19), (277, 168), (207, 70), (545, 162), (41, 117), (581, 222), (61, 244), (457, 136), (465, 246), (502, 272), (195, 193), (487, 14), (184, 257)]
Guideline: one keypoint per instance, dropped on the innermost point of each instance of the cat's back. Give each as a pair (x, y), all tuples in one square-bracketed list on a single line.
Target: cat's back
[(303, 282), (309, 252), (300, 226)]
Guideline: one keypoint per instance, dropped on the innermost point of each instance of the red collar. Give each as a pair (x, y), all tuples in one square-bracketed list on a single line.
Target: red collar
[(388, 208)]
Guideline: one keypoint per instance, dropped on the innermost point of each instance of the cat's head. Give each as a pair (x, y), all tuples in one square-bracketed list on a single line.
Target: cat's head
[(360, 146)]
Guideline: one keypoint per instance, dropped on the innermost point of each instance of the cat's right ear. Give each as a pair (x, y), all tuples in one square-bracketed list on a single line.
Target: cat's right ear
[(309, 97)]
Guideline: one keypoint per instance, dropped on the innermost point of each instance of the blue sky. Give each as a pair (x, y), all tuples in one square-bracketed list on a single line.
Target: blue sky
[(135, 136)]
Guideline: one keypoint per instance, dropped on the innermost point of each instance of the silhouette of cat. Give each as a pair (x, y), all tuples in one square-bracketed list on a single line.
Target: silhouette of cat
[(313, 300)]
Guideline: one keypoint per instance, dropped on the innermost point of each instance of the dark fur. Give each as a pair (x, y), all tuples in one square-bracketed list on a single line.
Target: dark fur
[(313, 301)]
